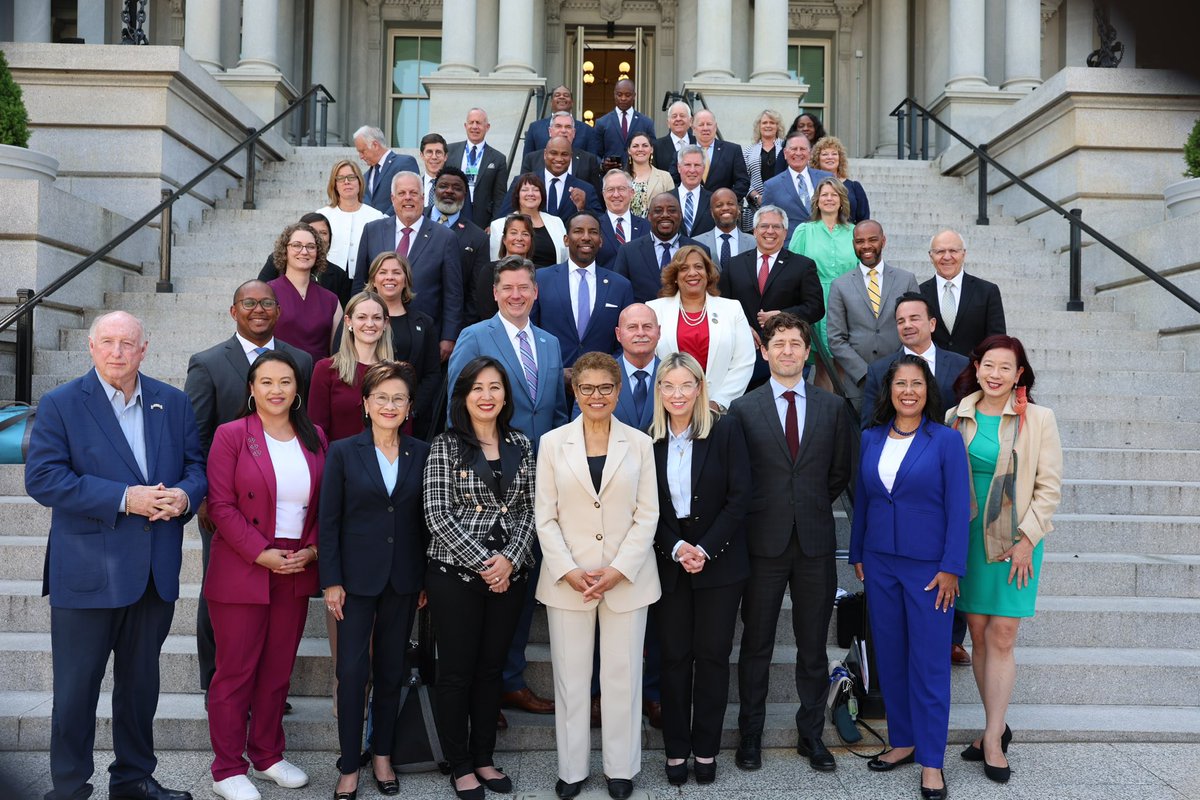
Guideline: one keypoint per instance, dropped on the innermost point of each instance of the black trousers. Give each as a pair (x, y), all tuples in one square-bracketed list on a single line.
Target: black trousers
[(81, 640), (390, 616), (206, 640), (695, 634), (474, 629), (812, 582)]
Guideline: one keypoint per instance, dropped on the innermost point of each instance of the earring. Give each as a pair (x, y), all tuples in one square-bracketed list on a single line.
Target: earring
[(250, 404), (296, 406)]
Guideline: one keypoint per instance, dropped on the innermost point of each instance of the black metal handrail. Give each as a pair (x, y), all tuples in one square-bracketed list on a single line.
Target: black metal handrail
[(29, 300), (911, 110), (512, 150)]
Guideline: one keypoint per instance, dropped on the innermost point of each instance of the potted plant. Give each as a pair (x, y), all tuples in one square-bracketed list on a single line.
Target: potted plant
[(16, 159), (1183, 198)]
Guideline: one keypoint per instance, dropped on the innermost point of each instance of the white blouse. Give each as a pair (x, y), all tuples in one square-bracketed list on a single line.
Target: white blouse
[(291, 487), (345, 230), (890, 459)]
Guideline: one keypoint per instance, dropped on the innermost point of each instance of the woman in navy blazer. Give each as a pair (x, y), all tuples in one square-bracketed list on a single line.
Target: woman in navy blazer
[(264, 472), (912, 509), (373, 541)]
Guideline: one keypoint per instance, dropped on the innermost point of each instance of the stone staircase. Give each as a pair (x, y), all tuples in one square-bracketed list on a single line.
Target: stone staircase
[(1113, 654)]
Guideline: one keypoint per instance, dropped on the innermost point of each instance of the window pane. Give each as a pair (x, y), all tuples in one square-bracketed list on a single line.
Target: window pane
[(431, 56), (793, 61), (812, 67), (406, 65), (410, 121)]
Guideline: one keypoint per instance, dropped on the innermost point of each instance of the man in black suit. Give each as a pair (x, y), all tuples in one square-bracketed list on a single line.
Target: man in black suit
[(485, 167), (216, 385), (583, 165), (679, 135), (565, 194), (725, 166), (968, 309), (800, 436), (538, 133), (694, 199), (618, 225), (450, 195), (642, 260), (382, 166)]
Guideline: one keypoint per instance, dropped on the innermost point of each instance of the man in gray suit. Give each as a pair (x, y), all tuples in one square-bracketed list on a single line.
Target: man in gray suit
[(725, 241), (858, 319), (801, 436), (216, 385)]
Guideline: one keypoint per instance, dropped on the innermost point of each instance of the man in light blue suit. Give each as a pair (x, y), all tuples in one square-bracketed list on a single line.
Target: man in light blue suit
[(116, 455), (793, 188)]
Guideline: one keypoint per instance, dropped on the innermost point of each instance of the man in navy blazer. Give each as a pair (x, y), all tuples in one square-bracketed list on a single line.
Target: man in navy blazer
[(485, 166), (637, 333), (679, 135), (565, 194), (784, 189), (618, 194), (584, 165), (538, 133), (973, 311), (582, 316), (642, 260), (691, 175), (726, 165), (615, 127), (382, 166), (116, 456)]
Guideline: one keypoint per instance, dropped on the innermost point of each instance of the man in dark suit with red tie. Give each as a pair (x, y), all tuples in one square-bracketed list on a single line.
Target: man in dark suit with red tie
[(615, 127), (618, 225)]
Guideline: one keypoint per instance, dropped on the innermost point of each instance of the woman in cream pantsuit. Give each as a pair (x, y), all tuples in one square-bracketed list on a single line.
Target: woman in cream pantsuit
[(596, 510)]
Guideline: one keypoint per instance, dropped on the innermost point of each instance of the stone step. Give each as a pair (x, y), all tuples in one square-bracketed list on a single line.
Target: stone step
[(12, 479), (1154, 465), (1066, 358), (1119, 574), (1132, 497), (1123, 533), (1114, 621), (1132, 434), (1092, 406), (22, 557)]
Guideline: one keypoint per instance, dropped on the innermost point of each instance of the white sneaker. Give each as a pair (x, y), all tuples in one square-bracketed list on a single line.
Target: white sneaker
[(284, 773), (238, 787)]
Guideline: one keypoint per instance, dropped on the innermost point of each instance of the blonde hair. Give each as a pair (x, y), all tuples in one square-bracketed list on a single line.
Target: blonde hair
[(331, 187), (756, 136), (406, 294), (702, 416), (843, 200), (831, 143), (345, 360)]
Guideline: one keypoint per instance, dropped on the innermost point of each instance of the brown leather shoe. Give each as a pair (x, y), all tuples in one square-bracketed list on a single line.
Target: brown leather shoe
[(596, 711), (653, 711), (959, 655), (526, 700), (501, 722)]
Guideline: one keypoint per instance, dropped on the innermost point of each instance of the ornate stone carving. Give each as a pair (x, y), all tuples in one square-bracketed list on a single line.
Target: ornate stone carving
[(610, 10), (374, 24), (666, 33), (1048, 10), (175, 32), (846, 10), (809, 15)]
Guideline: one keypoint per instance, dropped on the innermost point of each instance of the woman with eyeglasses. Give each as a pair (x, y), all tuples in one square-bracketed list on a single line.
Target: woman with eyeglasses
[(373, 539), (309, 312), (597, 511), (333, 277), (346, 212), (546, 231), (703, 562)]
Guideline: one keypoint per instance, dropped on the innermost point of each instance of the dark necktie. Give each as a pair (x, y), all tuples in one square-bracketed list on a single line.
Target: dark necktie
[(640, 392), (372, 173), (473, 158), (405, 242), (429, 194), (552, 200), (725, 254), (620, 230), (689, 213), (791, 429), (625, 126), (666, 256)]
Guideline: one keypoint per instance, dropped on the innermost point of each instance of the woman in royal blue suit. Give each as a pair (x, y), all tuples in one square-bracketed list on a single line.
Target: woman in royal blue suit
[(908, 544)]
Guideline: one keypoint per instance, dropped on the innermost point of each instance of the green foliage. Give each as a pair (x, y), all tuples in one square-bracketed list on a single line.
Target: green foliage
[(1191, 153), (14, 121)]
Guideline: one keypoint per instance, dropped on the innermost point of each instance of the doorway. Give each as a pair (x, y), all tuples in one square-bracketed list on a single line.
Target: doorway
[(598, 57)]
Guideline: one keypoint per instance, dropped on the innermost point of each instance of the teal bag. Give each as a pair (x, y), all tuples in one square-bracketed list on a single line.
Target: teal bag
[(16, 423)]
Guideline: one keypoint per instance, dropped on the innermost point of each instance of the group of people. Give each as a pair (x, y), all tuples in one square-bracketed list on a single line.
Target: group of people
[(635, 434)]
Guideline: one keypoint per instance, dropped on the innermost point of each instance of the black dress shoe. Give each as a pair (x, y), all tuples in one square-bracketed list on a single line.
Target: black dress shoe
[(389, 786), (567, 790), (287, 707), (475, 793), (973, 753), (819, 757), (749, 752), (146, 789), (350, 795), (501, 785), (619, 788), (879, 765), (677, 773), (705, 773), (935, 794)]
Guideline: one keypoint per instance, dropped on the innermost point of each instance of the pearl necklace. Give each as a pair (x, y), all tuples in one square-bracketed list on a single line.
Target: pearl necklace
[(688, 319)]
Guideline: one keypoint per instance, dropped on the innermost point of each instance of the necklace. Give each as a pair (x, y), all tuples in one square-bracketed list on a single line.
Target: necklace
[(905, 434), (691, 321)]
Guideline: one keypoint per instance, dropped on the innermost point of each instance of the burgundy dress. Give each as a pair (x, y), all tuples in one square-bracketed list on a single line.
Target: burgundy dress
[(305, 322), (334, 405)]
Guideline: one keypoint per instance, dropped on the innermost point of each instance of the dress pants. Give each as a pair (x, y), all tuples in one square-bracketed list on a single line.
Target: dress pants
[(695, 629), (571, 640), (812, 583), (256, 650), (911, 640), (385, 619), (651, 668), (475, 628), (206, 642), (80, 641)]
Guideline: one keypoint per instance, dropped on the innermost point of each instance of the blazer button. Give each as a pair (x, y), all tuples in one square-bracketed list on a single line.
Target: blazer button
[(503, 509), (597, 504), (254, 521), (599, 536), (390, 509), (389, 540), (145, 527), (478, 509), (251, 495)]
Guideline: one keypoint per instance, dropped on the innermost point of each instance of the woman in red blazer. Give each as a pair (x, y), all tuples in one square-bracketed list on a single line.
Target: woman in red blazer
[(264, 477)]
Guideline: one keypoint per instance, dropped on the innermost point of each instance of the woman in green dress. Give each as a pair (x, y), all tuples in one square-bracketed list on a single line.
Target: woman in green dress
[(1016, 482), (829, 241)]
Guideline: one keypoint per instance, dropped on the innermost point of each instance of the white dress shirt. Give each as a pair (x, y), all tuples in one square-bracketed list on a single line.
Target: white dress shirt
[(250, 348), (626, 223), (781, 406), (758, 257), (547, 176), (416, 228), (679, 143), (679, 471), (802, 180), (512, 331), (292, 484), (733, 243), (956, 282), (131, 419), (573, 281), (930, 356), (891, 458), (866, 276)]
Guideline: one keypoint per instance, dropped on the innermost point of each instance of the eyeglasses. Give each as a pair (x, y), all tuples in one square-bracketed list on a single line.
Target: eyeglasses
[(670, 389), (769, 226), (346, 179), (616, 189), (381, 399), (945, 251), (300, 247), (267, 303), (589, 389)]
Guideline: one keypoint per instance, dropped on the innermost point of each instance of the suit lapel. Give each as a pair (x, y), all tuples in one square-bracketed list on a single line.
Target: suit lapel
[(781, 262), (484, 470), (512, 364), (237, 359), (810, 424), (920, 442), (602, 289), (618, 446), (771, 419), (860, 288), (256, 443), (370, 462), (101, 410), (154, 416), (421, 241), (542, 345), (575, 451)]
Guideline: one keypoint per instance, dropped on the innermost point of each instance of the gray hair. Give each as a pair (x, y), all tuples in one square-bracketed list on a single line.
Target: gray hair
[(617, 172), (948, 230), (708, 111), (690, 149), (480, 110), (563, 114), (405, 174), (371, 135), (143, 335), (686, 108), (770, 210)]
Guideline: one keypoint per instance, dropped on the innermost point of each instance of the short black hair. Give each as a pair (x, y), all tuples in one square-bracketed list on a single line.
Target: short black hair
[(456, 172), (916, 297)]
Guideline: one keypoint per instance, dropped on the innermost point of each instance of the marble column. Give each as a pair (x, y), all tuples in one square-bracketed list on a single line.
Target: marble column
[(90, 24), (458, 37), (893, 70), (714, 40), (968, 33), (31, 21), (326, 58), (515, 43), (260, 35), (1022, 45), (770, 40), (202, 32)]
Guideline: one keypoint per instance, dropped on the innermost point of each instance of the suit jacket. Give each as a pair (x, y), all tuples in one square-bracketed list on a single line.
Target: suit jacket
[(584, 165), (639, 260), (721, 489), (489, 182), (860, 207), (703, 220), (79, 465), (792, 286), (370, 538), (380, 196), (537, 136), (858, 338), (947, 367), (472, 257), (553, 312), (579, 527), (638, 227), (927, 514), (241, 502), (626, 409), (795, 498), (781, 191), (608, 130), (980, 314), (436, 270), (727, 169), (565, 209), (711, 240), (531, 416), (730, 344), (665, 155), (216, 383)]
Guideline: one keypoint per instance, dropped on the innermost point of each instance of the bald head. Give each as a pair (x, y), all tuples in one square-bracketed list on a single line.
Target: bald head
[(638, 333), (557, 155), (624, 94), (117, 343)]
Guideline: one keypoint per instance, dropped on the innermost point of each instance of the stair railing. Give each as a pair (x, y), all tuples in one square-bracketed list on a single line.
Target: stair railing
[(512, 150), (28, 300)]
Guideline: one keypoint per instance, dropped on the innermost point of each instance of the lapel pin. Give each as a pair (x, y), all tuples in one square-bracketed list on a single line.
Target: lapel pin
[(156, 405), (606, 280), (418, 327)]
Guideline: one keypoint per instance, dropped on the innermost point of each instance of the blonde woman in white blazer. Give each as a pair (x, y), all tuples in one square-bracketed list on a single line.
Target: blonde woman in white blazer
[(696, 321), (596, 510)]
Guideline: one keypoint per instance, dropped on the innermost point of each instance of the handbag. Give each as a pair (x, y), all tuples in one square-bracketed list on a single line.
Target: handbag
[(417, 747), (851, 618), (845, 684), (16, 424)]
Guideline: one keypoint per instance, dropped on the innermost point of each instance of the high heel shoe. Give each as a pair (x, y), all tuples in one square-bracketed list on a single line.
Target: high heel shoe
[(677, 773), (997, 774), (973, 753), (935, 794), (388, 786), (705, 773)]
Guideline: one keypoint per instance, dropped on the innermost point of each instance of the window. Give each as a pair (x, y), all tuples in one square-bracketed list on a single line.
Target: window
[(414, 55), (808, 61)]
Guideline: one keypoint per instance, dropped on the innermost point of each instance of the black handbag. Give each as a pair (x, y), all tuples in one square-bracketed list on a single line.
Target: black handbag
[(417, 747)]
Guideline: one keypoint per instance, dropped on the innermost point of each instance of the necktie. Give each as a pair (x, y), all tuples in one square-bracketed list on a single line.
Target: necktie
[(372, 173), (873, 290), (528, 364), (791, 428), (473, 158), (725, 254), (666, 256), (472, 168), (763, 272), (258, 351), (405, 241), (624, 125), (442, 218), (802, 188), (429, 194), (583, 307), (552, 200), (640, 392), (706, 152), (689, 213), (620, 230), (949, 306)]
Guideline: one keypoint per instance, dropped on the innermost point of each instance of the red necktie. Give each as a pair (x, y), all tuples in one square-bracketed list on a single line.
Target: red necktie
[(625, 125), (405, 241), (763, 272), (791, 429), (620, 230)]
